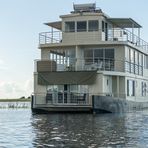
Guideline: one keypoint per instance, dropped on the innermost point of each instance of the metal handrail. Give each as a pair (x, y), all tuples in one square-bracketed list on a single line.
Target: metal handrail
[(114, 34), (66, 98), (89, 64), (72, 98)]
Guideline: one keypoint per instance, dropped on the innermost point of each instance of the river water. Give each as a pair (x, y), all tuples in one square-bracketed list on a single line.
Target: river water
[(19, 128)]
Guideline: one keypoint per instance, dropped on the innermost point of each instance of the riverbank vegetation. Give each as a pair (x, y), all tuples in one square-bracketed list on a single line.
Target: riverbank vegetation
[(16, 100)]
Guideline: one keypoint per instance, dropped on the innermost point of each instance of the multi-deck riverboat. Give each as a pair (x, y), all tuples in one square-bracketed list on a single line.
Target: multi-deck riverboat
[(91, 62)]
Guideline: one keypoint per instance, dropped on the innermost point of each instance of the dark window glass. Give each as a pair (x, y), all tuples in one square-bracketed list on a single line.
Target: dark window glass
[(70, 26), (109, 53), (88, 55), (143, 88), (146, 62), (103, 26), (132, 55), (93, 25), (81, 26), (98, 53), (130, 88)]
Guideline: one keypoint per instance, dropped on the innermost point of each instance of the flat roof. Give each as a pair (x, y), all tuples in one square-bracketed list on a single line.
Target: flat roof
[(119, 22), (124, 22), (57, 25)]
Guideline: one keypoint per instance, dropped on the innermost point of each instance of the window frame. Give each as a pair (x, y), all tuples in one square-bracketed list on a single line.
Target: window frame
[(130, 90), (93, 29), (69, 29), (81, 29)]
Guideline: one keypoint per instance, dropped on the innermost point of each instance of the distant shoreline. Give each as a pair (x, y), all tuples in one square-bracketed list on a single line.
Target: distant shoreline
[(15, 100)]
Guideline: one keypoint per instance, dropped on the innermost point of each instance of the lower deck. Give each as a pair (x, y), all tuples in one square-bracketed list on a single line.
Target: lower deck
[(100, 104), (62, 108), (71, 95)]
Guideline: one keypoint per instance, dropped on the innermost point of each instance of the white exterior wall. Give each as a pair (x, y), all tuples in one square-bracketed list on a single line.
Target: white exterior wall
[(80, 57), (119, 58), (122, 87), (102, 86), (45, 54), (107, 87), (145, 73), (39, 91), (97, 88), (81, 37)]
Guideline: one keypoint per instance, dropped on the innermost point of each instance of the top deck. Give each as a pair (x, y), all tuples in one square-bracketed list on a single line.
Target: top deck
[(88, 24)]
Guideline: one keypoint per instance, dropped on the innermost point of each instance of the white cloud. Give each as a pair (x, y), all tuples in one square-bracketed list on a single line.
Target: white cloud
[(1, 62), (16, 89), (3, 65)]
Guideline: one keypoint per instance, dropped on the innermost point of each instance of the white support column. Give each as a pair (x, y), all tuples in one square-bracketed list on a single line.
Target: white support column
[(79, 61), (138, 36), (51, 35), (118, 86), (113, 32), (133, 33)]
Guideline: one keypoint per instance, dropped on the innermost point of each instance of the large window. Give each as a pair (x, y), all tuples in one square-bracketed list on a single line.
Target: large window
[(134, 61), (140, 63), (109, 54), (89, 54), (140, 59), (146, 62), (130, 88), (65, 59), (99, 53), (132, 56), (127, 53), (127, 58), (93, 25), (81, 26), (70, 26), (143, 89), (103, 58)]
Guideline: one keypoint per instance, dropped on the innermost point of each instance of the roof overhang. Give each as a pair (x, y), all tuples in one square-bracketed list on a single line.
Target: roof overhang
[(56, 25), (124, 22)]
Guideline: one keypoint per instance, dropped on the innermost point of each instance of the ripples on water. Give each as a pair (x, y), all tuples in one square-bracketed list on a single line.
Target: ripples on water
[(20, 129)]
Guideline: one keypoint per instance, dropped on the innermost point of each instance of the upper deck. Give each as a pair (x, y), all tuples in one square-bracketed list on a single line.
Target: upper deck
[(89, 25)]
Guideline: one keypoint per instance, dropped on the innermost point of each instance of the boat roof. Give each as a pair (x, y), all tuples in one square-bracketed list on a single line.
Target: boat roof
[(119, 22), (124, 22), (57, 25)]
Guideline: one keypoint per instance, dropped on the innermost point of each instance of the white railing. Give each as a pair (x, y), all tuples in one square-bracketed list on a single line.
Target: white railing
[(114, 34), (117, 34), (50, 37), (89, 64), (62, 98), (70, 98)]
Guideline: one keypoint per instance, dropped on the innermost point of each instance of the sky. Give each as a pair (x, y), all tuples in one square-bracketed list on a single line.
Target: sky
[(22, 20)]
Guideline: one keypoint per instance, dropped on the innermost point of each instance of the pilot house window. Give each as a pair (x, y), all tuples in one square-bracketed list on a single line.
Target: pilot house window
[(70, 26), (93, 25), (81, 26)]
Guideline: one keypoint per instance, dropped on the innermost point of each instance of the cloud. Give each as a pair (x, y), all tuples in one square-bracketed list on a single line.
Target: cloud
[(16, 89), (1, 62), (3, 65)]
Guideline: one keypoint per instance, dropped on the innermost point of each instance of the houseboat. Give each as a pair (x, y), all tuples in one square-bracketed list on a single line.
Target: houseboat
[(91, 62)]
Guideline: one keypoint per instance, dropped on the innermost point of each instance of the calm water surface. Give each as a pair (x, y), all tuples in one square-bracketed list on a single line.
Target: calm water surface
[(20, 129)]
